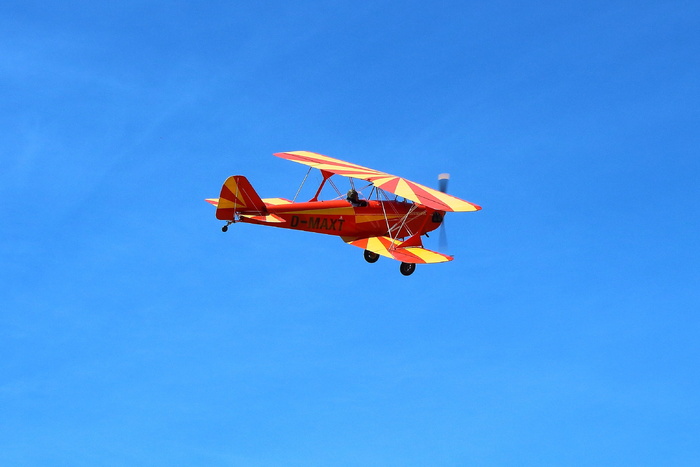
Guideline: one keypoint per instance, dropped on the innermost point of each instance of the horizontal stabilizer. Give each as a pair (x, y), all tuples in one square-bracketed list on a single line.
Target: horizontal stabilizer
[(276, 201), (270, 218)]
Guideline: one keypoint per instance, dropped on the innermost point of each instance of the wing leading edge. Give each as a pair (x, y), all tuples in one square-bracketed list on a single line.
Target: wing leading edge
[(397, 185)]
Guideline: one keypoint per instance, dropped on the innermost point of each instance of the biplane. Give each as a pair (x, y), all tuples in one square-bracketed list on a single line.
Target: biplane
[(379, 224)]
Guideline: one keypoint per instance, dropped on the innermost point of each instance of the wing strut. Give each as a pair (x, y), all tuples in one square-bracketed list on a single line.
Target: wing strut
[(326, 176)]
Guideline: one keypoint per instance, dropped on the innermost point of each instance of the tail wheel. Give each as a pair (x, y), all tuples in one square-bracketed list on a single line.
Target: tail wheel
[(371, 257), (407, 268)]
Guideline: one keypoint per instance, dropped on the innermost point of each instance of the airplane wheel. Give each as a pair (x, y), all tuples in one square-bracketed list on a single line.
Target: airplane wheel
[(407, 268), (371, 257), (224, 228)]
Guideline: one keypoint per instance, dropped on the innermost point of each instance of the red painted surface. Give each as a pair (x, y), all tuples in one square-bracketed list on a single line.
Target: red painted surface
[(342, 219)]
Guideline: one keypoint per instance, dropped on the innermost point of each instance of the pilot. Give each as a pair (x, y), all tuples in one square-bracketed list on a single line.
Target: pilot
[(354, 199)]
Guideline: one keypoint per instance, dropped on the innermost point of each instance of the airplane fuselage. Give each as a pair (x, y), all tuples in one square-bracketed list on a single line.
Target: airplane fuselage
[(378, 218)]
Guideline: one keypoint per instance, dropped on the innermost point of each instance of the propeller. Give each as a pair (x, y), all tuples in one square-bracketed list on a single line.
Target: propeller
[(442, 186), (442, 182)]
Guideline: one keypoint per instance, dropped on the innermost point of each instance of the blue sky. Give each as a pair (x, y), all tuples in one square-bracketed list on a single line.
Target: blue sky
[(134, 332)]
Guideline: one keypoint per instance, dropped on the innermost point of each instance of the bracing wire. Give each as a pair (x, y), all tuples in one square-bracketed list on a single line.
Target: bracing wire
[(302, 184), (340, 195), (235, 201), (386, 218), (371, 192)]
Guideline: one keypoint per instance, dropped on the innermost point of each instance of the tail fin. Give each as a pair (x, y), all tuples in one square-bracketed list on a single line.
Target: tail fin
[(238, 196)]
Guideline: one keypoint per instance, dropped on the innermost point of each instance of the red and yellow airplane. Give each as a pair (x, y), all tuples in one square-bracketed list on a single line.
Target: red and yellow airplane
[(380, 226)]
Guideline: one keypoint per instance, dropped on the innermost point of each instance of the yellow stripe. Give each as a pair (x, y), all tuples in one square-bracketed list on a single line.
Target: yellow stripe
[(233, 188), (405, 191), (273, 219), (331, 164), (227, 204), (382, 179), (276, 201), (374, 244), (312, 155), (427, 255)]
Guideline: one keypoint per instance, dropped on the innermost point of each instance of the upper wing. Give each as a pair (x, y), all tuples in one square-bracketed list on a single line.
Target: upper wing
[(399, 186)]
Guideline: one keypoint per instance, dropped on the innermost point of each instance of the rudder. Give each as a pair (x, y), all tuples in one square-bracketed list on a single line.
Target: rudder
[(238, 196)]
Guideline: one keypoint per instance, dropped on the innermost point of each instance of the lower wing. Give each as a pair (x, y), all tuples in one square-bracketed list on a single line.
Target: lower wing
[(398, 250)]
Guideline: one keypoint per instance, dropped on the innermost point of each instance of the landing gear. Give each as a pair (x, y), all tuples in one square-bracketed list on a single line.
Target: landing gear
[(407, 268), (371, 257), (225, 228)]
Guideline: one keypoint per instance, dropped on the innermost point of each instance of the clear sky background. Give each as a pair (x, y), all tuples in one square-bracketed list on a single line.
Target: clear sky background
[(134, 332)]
